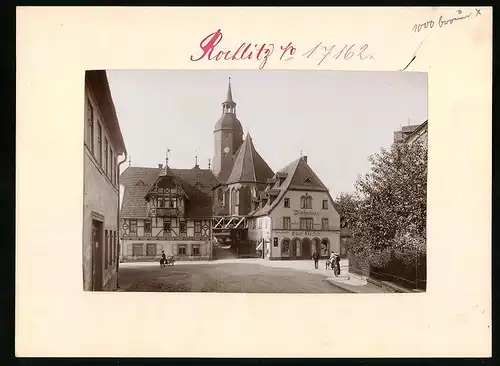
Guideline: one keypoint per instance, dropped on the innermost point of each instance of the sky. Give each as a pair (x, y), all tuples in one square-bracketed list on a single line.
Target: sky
[(337, 118)]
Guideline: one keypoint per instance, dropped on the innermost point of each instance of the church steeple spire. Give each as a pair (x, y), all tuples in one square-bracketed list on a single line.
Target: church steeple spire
[(229, 96), (229, 106)]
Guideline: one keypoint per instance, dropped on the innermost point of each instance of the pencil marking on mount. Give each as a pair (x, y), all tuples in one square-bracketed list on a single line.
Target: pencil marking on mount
[(413, 58), (414, 55), (442, 22)]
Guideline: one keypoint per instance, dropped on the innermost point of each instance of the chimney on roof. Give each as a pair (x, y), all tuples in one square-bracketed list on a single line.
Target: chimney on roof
[(304, 158), (160, 166)]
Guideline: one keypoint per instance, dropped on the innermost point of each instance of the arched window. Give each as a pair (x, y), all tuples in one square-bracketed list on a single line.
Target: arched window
[(325, 246), (285, 247), (306, 202)]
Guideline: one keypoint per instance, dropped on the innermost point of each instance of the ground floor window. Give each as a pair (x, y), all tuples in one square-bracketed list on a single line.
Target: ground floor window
[(324, 246), (285, 247), (196, 250), (181, 250), (316, 245), (137, 249), (151, 249)]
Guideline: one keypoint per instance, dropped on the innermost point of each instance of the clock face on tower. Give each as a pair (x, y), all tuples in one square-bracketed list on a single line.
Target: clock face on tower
[(226, 149)]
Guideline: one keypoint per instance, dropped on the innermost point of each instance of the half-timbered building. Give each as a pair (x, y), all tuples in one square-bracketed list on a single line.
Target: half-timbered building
[(168, 210), (240, 205)]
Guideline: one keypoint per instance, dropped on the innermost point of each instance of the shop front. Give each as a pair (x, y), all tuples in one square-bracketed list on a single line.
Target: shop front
[(296, 245)]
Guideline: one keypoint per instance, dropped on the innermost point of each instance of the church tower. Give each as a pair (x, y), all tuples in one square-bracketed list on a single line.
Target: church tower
[(228, 137)]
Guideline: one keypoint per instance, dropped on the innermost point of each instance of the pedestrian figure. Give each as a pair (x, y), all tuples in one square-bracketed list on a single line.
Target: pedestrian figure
[(316, 258), (337, 264), (332, 260), (163, 259)]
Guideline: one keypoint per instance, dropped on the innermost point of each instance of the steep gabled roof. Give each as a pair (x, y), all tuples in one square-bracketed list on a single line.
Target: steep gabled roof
[(417, 130), (197, 184), (134, 204), (131, 175), (249, 166), (297, 172), (304, 178)]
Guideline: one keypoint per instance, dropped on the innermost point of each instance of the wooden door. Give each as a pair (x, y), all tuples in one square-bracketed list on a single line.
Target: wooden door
[(306, 248), (97, 244)]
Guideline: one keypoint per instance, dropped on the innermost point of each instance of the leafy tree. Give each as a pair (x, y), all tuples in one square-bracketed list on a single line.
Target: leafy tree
[(387, 212)]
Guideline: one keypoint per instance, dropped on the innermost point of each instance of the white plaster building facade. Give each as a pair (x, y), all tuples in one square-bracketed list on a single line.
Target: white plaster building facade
[(294, 215), (103, 144)]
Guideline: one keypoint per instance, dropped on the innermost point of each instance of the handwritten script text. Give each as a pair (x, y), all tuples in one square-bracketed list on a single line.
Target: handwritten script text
[(211, 49), (443, 22)]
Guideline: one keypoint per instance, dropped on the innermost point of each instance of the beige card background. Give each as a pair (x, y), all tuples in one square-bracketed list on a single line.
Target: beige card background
[(54, 317)]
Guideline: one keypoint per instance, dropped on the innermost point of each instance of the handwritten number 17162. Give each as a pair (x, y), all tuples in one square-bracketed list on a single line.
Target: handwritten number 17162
[(347, 52)]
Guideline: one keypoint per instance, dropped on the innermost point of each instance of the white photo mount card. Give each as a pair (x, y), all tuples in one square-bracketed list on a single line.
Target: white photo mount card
[(253, 186)]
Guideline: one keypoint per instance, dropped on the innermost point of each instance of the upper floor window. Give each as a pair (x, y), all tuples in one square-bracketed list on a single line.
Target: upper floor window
[(166, 227), (99, 143), (306, 202), (147, 226), (324, 224), (286, 223), (325, 205), (106, 147), (182, 226), (89, 140), (197, 227), (306, 223), (287, 202), (112, 168), (133, 227)]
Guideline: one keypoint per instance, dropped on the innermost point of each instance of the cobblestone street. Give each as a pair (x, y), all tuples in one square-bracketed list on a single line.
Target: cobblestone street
[(235, 276)]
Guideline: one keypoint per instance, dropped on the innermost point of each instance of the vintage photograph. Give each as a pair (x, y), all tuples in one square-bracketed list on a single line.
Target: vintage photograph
[(246, 181)]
